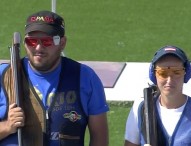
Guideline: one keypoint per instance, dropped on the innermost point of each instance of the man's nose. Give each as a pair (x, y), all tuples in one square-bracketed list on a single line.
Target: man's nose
[(39, 46)]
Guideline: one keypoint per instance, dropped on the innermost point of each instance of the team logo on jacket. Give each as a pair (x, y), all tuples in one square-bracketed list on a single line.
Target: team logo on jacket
[(72, 116)]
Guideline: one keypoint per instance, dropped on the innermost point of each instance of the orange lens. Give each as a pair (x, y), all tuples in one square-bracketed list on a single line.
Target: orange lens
[(165, 72)]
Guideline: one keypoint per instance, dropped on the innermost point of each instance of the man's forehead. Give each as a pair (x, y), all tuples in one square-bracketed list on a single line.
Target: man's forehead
[(37, 33)]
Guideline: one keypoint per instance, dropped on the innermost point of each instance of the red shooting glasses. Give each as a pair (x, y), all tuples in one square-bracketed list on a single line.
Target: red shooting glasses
[(46, 41), (165, 72)]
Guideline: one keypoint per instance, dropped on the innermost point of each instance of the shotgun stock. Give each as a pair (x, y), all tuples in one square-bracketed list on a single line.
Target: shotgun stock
[(16, 74), (149, 116)]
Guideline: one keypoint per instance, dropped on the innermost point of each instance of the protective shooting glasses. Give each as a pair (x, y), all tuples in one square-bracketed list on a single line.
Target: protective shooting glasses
[(45, 41), (165, 72)]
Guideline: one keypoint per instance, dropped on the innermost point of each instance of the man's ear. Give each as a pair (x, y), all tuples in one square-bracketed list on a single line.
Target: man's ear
[(62, 45), (63, 41)]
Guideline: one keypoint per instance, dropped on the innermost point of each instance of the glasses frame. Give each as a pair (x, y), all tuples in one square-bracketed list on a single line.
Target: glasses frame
[(165, 72), (55, 40)]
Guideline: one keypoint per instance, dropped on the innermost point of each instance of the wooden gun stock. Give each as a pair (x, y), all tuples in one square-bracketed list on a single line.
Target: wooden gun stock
[(16, 74), (149, 116)]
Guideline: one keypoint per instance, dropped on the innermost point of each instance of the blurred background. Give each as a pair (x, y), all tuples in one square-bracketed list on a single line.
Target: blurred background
[(107, 30)]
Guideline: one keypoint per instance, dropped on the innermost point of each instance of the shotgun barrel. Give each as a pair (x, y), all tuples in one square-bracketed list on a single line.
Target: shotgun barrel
[(16, 74), (149, 116)]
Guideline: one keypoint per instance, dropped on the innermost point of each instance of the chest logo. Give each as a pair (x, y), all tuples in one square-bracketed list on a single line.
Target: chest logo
[(72, 116)]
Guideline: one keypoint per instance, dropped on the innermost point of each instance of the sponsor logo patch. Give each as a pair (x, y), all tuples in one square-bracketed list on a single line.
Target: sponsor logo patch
[(72, 116)]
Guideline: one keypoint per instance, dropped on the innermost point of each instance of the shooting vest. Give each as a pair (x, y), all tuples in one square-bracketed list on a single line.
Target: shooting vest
[(182, 133), (65, 110)]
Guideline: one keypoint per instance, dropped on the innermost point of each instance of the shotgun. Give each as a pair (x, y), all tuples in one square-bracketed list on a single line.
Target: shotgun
[(149, 117), (16, 74)]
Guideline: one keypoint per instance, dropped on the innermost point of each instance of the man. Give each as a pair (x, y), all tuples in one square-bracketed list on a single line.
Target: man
[(60, 96), (169, 70)]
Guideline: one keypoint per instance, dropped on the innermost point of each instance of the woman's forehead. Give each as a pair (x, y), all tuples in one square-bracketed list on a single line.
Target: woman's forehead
[(169, 60)]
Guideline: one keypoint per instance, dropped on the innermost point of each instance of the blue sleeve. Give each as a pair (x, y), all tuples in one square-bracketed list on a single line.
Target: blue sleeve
[(2, 95), (92, 92)]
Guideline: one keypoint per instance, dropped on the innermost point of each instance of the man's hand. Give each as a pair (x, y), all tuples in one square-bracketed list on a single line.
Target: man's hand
[(15, 118)]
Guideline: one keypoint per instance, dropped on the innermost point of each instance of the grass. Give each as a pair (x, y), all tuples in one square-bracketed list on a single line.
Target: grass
[(107, 30), (117, 117)]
